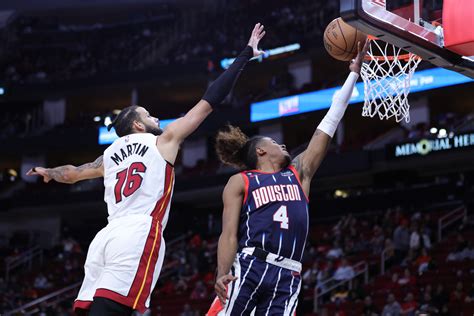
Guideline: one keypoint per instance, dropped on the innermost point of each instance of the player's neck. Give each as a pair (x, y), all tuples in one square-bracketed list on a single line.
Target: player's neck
[(268, 166)]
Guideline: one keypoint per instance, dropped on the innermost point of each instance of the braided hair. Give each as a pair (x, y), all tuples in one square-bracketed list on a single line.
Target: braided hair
[(123, 123)]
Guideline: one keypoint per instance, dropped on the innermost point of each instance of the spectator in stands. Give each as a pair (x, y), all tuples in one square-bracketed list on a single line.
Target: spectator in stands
[(309, 277), (199, 292), (30, 293), (357, 293), (389, 249), (464, 251), (335, 252), (187, 311), (392, 308), (41, 282), (458, 295), (401, 240), (415, 243), (440, 296), (344, 272), (470, 296), (369, 308), (181, 286), (409, 305), (189, 273), (169, 287), (427, 306), (423, 261), (377, 241), (393, 285), (407, 279), (324, 274), (340, 295)]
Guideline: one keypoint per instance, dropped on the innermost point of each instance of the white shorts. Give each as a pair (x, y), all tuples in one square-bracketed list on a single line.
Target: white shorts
[(123, 263)]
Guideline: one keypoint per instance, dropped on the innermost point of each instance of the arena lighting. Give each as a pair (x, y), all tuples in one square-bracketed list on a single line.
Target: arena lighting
[(2, 91), (107, 121), (318, 100), (107, 137), (433, 130), (226, 62), (442, 133), (96, 118)]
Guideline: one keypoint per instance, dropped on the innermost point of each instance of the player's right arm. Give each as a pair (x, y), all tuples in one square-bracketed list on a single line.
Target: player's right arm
[(69, 173), (227, 248)]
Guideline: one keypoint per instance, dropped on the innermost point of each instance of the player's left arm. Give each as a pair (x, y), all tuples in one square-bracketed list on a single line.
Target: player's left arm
[(309, 160), (175, 133), (69, 173)]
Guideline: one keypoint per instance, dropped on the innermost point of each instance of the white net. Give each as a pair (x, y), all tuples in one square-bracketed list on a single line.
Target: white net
[(386, 79)]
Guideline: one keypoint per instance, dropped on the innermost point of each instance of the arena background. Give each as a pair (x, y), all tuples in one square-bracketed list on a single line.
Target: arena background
[(68, 67)]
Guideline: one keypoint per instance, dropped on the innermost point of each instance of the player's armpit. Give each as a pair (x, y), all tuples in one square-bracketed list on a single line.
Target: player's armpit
[(309, 160)]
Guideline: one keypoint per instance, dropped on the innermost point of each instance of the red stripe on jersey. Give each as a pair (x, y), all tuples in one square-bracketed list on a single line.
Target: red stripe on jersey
[(162, 204), (78, 304), (114, 296), (246, 181), (293, 169), (141, 285)]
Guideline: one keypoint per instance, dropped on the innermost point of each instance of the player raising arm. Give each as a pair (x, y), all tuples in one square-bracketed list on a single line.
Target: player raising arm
[(136, 119), (124, 260), (265, 218)]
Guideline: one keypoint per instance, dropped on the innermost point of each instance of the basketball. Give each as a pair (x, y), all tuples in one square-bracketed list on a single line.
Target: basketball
[(340, 40)]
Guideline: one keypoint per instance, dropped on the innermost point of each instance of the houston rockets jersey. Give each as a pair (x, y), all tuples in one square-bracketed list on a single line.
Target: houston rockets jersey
[(274, 214), (137, 179)]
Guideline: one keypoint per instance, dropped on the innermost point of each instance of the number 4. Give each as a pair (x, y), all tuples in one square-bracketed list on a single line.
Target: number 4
[(281, 215)]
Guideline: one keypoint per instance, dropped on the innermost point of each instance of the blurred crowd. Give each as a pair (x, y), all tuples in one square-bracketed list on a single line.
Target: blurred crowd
[(58, 267), (46, 50)]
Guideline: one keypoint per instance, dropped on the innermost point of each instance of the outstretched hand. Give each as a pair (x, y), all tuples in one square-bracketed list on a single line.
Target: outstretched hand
[(39, 171), (356, 63), (257, 34)]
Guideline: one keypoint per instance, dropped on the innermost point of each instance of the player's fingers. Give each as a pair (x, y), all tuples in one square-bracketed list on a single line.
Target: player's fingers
[(222, 294), (229, 279), (255, 28), (261, 35), (366, 46), (221, 299), (220, 286)]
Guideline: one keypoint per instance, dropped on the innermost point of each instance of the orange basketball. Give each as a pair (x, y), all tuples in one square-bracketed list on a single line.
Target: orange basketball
[(340, 40)]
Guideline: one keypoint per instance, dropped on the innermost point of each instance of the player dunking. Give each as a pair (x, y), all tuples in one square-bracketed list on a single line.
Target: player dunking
[(265, 218), (125, 258)]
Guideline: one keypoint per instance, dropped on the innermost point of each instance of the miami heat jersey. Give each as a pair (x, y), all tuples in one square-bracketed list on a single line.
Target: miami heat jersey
[(274, 215), (137, 178)]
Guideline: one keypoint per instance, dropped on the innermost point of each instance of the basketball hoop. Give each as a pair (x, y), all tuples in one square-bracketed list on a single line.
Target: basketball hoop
[(387, 74)]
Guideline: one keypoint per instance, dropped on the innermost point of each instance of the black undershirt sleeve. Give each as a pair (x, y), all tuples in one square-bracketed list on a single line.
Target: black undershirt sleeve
[(221, 87)]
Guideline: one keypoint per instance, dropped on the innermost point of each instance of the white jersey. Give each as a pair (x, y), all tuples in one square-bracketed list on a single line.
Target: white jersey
[(137, 179)]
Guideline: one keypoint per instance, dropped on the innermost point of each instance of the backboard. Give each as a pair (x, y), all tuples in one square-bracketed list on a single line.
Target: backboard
[(404, 27)]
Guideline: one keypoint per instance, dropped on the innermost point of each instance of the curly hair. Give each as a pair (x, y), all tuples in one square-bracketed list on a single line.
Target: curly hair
[(236, 149)]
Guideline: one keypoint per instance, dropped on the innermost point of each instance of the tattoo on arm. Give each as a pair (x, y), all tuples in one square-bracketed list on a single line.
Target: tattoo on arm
[(60, 174), (298, 165), (91, 165)]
